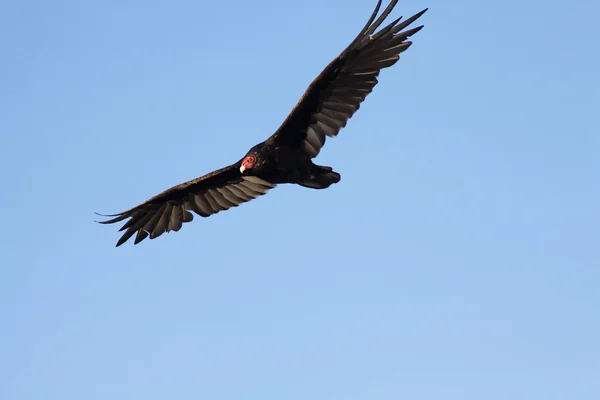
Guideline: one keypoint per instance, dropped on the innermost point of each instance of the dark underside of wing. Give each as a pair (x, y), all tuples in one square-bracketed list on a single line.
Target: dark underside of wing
[(336, 94), (207, 195)]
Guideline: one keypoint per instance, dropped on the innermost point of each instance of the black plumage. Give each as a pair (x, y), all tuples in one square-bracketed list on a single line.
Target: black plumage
[(285, 157)]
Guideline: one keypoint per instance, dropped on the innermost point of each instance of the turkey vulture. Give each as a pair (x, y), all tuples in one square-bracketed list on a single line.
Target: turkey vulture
[(285, 157)]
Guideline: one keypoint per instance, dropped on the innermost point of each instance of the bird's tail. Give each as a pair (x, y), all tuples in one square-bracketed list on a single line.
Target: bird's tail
[(321, 178)]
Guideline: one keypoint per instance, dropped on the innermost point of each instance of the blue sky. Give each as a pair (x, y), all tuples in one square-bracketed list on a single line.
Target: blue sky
[(458, 258)]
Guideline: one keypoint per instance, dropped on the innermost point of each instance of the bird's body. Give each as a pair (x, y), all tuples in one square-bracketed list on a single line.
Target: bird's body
[(287, 156), (290, 164)]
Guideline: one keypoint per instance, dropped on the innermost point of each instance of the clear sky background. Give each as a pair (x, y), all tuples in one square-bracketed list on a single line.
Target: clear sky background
[(458, 258)]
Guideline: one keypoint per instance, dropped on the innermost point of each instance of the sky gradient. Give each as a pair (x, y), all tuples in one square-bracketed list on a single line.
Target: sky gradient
[(457, 259)]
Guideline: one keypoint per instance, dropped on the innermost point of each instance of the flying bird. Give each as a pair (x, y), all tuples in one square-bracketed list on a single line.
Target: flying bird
[(285, 157)]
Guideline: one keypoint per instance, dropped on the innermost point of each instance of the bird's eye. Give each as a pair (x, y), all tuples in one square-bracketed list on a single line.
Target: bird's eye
[(251, 159)]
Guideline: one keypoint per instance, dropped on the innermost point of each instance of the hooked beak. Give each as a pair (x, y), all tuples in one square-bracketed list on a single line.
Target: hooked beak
[(242, 169)]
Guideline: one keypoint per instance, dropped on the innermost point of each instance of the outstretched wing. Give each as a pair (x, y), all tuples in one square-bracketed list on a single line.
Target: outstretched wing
[(207, 195), (336, 94)]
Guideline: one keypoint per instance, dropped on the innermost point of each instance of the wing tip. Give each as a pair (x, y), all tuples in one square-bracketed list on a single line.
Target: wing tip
[(117, 218), (420, 13)]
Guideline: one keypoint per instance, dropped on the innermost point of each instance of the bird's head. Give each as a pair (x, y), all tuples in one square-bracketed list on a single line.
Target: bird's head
[(251, 163)]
